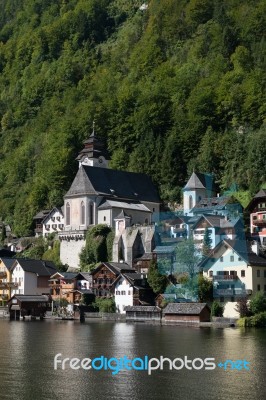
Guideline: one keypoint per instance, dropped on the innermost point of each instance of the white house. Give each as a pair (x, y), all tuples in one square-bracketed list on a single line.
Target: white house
[(53, 222), (31, 276), (132, 289)]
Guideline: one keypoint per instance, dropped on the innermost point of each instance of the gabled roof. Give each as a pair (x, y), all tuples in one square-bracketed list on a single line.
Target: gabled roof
[(6, 253), (113, 183), (64, 275), (200, 181), (85, 275), (55, 209), (184, 308), (114, 267), (8, 262), (40, 298), (242, 248), (216, 203), (122, 215), (260, 195), (41, 267)]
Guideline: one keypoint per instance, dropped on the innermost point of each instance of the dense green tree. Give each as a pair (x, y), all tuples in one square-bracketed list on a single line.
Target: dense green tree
[(156, 280)]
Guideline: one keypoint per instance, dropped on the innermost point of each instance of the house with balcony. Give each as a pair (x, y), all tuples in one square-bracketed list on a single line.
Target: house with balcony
[(257, 213), (104, 276), (6, 283), (49, 221), (62, 285), (31, 277), (219, 228), (235, 269)]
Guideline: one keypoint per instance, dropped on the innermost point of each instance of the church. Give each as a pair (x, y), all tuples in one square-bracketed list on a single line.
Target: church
[(100, 195)]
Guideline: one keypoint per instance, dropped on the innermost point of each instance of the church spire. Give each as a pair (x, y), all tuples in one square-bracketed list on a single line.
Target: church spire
[(94, 152)]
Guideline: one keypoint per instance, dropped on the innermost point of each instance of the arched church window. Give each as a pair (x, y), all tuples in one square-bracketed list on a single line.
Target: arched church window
[(82, 213), (91, 213), (190, 202), (67, 214)]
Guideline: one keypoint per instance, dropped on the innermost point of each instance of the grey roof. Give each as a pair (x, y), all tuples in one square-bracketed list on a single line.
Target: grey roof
[(59, 209), (116, 268), (164, 249), (86, 275), (138, 206), (242, 248), (31, 298), (261, 193), (184, 308), (65, 275), (41, 267), (113, 183), (215, 204), (199, 181), (41, 214), (143, 308), (6, 253), (8, 262)]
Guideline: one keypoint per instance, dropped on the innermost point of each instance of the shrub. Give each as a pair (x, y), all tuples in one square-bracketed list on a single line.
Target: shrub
[(217, 309)]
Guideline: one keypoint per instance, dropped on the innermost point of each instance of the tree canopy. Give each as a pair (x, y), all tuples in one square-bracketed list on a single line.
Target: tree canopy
[(177, 86)]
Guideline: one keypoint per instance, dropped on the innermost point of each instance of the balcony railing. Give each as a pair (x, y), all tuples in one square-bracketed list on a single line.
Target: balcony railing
[(7, 285), (225, 277), (259, 222), (232, 292)]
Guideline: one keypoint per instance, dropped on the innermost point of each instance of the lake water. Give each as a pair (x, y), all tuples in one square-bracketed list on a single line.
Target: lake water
[(27, 352)]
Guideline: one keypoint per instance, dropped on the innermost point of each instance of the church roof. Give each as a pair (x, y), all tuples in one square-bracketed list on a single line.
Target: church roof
[(200, 181), (107, 204), (122, 215), (113, 183)]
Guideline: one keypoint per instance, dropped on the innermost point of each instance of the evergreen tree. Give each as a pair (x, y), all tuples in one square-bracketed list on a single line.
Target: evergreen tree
[(157, 281), (207, 241)]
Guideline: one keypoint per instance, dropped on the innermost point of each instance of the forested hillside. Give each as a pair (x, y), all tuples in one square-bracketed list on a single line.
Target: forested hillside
[(177, 86)]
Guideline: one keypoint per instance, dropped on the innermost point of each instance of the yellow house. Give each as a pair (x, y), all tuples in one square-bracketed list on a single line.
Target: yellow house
[(6, 283), (235, 270)]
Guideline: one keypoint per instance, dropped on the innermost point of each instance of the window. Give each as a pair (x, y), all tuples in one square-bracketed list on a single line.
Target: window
[(232, 258), (91, 214), (104, 218), (239, 259), (243, 273), (82, 213), (129, 293), (258, 288), (258, 273), (190, 202), (210, 273), (264, 273), (67, 214), (221, 259)]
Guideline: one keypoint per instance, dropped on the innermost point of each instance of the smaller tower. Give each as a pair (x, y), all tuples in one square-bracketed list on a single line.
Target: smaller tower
[(94, 153), (122, 221), (198, 187)]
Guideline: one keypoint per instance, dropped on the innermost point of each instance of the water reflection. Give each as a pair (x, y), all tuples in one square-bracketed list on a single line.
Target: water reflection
[(28, 348)]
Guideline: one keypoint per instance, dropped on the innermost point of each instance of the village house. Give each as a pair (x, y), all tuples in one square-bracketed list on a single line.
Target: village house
[(257, 215), (31, 277), (236, 270), (104, 276), (132, 289), (218, 227), (62, 285), (48, 222), (6, 282)]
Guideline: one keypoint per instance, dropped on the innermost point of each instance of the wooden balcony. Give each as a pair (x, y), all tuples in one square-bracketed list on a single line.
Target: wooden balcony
[(7, 285), (259, 222)]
